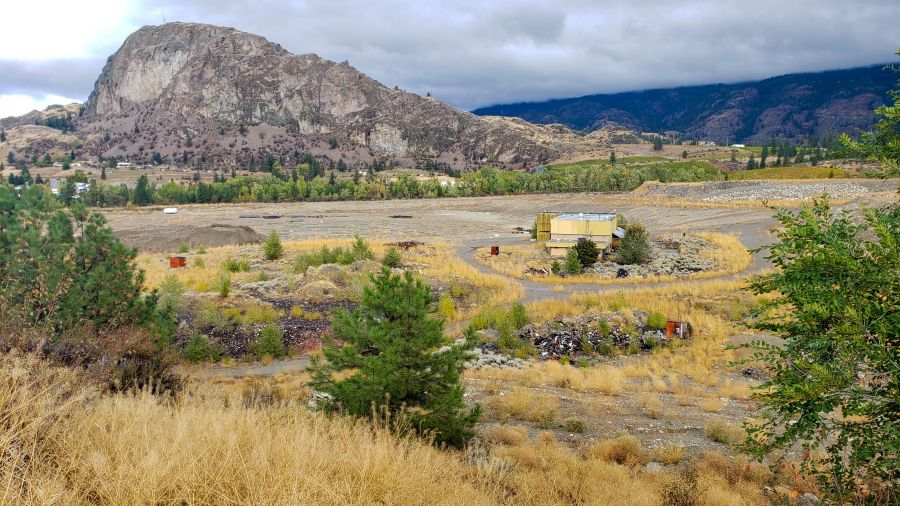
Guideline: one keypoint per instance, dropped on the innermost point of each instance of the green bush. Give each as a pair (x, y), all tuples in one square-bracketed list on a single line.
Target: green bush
[(223, 284), (360, 249), (587, 252), (236, 265), (555, 267), (269, 343), (574, 425), (635, 245), (171, 293), (198, 263), (518, 315), (184, 248), (446, 307), (200, 349), (656, 320), (273, 249), (392, 258)]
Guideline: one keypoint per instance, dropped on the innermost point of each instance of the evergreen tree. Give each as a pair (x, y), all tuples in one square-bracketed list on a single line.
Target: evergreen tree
[(103, 173), (684, 154), (11, 158), (572, 263), (142, 195), (635, 245), (612, 157), (751, 163), (587, 252), (342, 165), (2, 136), (763, 156), (157, 158), (392, 348), (273, 248)]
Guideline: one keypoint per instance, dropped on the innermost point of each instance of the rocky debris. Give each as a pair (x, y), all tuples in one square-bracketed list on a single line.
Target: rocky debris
[(590, 333), (672, 256), (725, 191), (488, 355)]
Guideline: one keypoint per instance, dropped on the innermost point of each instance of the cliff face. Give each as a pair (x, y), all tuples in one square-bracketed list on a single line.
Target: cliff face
[(200, 92), (793, 106)]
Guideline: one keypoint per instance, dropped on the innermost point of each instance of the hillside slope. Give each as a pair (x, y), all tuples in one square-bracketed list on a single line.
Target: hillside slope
[(792, 106)]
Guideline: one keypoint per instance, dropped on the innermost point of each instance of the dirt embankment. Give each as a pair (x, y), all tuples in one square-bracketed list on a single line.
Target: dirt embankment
[(171, 238)]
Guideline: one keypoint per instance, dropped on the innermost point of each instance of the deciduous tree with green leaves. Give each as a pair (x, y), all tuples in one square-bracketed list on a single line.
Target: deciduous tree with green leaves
[(882, 143), (399, 360), (833, 385)]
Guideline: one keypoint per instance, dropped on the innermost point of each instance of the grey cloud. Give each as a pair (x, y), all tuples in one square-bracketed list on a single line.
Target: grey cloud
[(471, 54), (68, 78)]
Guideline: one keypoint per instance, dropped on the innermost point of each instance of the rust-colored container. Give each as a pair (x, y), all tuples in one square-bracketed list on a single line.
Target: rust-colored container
[(495, 250), (177, 262), (678, 329)]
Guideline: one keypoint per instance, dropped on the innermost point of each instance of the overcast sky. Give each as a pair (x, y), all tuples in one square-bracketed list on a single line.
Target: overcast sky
[(469, 54)]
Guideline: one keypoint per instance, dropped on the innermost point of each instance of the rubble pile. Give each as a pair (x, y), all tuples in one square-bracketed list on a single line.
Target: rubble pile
[(591, 333), (488, 355)]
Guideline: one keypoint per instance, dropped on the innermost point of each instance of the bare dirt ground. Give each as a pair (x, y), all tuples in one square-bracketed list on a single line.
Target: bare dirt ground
[(458, 220)]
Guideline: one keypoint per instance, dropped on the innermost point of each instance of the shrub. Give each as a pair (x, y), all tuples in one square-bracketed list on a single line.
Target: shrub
[(518, 315), (201, 250), (656, 320), (572, 263), (171, 292), (556, 267), (273, 249), (269, 343), (622, 450), (392, 258), (251, 313), (587, 252), (446, 307), (511, 435), (399, 375), (223, 284), (669, 454), (360, 249), (198, 263), (236, 265), (723, 432), (635, 245), (183, 248), (200, 349), (574, 425)]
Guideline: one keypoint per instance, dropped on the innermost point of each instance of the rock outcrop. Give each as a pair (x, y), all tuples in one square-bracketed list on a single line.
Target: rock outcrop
[(204, 94)]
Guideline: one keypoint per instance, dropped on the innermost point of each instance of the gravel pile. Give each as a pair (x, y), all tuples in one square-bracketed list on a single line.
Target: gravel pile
[(725, 191)]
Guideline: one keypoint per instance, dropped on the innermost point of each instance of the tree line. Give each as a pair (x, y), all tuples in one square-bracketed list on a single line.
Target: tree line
[(295, 186)]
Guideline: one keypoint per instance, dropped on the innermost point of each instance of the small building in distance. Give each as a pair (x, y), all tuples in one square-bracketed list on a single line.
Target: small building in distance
[(567, 228)]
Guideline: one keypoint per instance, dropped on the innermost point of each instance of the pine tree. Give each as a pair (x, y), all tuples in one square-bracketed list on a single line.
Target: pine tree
[(392, 347), (587, 252), (751, 163), (635, 245), (572, 263), (273, 249), (142, 191), (103, 173), (2, 136), (612, 157)]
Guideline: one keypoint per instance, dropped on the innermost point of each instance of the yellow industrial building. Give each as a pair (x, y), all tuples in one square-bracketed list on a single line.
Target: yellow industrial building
[(565, 229)]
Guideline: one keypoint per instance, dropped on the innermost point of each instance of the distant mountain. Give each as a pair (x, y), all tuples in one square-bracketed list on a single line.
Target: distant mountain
[(792, 106)]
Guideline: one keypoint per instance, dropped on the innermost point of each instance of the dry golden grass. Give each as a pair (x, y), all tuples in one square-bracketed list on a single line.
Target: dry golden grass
[(511, 435), (669, 454), (711, 404), (625, 450), (605, 380), (651, 405), (204, 448), (525, 404), (723, 431), (728, 253)]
